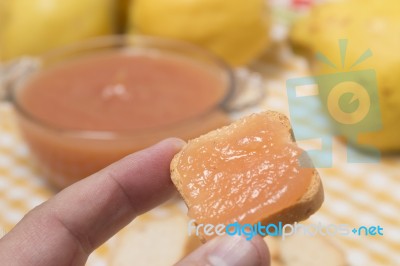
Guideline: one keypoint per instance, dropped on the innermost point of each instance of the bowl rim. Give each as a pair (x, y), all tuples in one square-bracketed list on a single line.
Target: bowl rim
[(127, 42)]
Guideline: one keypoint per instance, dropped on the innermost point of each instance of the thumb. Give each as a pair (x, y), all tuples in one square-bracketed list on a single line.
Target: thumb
[(230, 250)]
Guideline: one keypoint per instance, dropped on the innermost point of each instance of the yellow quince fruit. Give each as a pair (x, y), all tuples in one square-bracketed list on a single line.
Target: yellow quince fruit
[(36, 26), (371, 29), (236, 30)]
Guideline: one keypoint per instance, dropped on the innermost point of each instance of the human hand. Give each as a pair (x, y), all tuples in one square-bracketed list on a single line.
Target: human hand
[(68, 227)]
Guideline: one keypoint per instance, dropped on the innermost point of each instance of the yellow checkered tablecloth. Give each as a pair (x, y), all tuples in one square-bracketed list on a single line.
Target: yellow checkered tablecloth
[(355, 194)]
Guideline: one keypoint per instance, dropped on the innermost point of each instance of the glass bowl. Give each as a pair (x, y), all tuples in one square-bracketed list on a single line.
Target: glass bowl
[(67, 154)]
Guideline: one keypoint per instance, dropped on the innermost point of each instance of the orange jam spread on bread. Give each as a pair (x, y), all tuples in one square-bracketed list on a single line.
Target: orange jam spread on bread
[(249, 172)]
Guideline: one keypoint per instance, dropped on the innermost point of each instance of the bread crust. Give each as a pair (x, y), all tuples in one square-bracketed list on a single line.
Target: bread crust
[(308, 204)]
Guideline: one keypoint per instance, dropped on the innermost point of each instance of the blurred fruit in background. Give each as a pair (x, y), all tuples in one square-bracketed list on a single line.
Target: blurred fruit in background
[(236, 30), (366, 24), (36, 26)]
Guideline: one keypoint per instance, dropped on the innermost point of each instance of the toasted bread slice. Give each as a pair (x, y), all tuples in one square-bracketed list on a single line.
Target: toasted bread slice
[(273, 246), (300, 250), (156, 238), (247, 172)]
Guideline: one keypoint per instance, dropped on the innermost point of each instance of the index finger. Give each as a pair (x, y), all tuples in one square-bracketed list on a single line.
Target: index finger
[(84, 215)]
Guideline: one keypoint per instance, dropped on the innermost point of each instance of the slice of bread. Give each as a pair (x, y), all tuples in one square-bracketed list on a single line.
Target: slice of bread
[(305, 205), (273, 246), (156, 238), (301, 250)]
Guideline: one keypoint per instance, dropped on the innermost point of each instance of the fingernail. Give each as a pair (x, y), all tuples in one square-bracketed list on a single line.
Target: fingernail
[(232, 251), (178, 143)]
